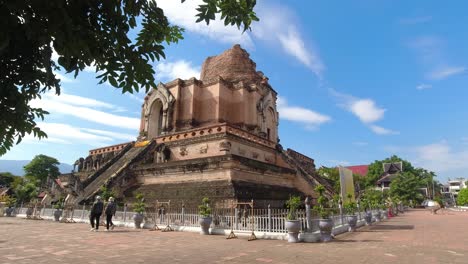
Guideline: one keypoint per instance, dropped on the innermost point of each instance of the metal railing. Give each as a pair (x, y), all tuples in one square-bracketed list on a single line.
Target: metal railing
[(238, 219)]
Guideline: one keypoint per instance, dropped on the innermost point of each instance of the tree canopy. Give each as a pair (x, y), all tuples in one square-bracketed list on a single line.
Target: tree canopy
[(86, 33), (40, 168), (462, 198), (406, 185), (7, 179)]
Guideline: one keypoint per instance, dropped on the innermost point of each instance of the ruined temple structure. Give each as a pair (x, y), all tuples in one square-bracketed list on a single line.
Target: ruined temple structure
[(215, 137)]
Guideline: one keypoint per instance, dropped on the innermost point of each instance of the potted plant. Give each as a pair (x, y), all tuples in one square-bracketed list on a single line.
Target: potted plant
[(9, 203), (205, 219), (368, 213), (292, 224), (139, 209), (350, 208), (377, 214), (58, 211), (383, 208), (323, 210)]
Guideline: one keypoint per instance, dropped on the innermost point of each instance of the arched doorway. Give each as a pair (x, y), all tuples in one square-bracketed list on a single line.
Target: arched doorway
[(155, 119)]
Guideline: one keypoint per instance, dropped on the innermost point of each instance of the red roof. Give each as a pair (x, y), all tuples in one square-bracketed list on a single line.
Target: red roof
[(359, 169)]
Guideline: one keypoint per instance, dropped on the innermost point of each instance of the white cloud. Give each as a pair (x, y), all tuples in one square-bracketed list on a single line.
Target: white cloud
[(81, 101), (308, 117), (445, 72), (169, 71), (441, 157), (81, 109), (59, 133), (184, 14), (423, 86), (63, 78), (278, 25), (364, 108), (383, 131), (112, 134), (430, 51), (293, 44)]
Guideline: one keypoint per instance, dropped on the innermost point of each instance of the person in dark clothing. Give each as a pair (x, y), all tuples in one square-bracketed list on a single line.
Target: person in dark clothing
[(96, 212), (111, 207)]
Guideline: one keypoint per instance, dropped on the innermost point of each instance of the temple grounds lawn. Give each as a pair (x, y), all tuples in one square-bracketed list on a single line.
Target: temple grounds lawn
[(413, 237)]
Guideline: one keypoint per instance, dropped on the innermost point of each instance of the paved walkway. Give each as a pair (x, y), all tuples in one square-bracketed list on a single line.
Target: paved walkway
[(414, 237)]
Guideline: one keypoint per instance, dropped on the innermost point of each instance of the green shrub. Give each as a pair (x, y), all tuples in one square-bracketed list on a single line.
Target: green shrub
[(322, 208), (293, 203), (349, 206), (139, 205), (462, 198), (204, 208)]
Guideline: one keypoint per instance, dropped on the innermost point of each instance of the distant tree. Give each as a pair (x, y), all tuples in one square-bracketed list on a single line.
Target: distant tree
[(462, 198), (26, 191), (331, 174), (6, 179), (372, 198), (106, 193), (406, 187), (86, 33), (41, 167), (375, 169)]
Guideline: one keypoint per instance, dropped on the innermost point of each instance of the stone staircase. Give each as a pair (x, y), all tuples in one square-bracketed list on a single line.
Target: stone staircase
[(307, 173), (113, 170)]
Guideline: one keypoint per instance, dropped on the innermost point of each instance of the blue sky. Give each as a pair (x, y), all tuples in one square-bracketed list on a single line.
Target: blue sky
[(358, 81)]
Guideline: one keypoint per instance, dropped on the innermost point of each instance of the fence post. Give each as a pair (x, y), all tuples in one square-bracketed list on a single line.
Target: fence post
[(359, 211), (341, 213), (82, 212), (235, 219), (183, 215), (308, 216), (269, 218), (125, 214)]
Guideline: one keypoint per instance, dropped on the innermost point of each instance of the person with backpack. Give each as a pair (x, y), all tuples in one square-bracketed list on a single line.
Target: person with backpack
[(111, 207), (95, 214)]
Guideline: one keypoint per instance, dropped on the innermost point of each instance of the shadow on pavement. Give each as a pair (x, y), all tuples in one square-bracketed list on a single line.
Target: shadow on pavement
[(353, 240), (392, 227)]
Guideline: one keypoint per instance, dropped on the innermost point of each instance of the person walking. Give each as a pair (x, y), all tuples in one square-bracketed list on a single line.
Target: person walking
[(111, 207), (96, 212)]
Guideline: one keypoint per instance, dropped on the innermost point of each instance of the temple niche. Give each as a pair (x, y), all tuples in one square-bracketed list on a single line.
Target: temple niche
[(214, 137)]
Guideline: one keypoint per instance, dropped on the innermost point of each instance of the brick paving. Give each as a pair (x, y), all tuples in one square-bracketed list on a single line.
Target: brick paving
[(414, 237)]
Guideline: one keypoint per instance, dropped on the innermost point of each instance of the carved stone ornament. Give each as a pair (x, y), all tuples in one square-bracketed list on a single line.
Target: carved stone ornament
[(183, 151), (225, 146), (204, 149), (254, 155)]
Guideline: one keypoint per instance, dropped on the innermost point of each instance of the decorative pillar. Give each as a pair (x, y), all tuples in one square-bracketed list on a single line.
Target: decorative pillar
[(308, 216)]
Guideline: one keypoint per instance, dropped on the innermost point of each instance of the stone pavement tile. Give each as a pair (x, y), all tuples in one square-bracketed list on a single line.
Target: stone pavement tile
[(413, 237)]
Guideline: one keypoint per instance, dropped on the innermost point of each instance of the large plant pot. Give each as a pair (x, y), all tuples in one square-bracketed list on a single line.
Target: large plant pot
[(368, 218), (29, 212), (57, 215), (293, 227), (326, 227), (377, 216), (137, 220), (352, 222), (205, 223), (9, 211), (384, 214)]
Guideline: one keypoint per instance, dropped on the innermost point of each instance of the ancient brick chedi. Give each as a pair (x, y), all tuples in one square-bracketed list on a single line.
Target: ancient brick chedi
[(214, 137)]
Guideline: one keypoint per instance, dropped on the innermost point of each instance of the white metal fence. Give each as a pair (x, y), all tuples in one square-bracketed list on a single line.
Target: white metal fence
[(238, 219)]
